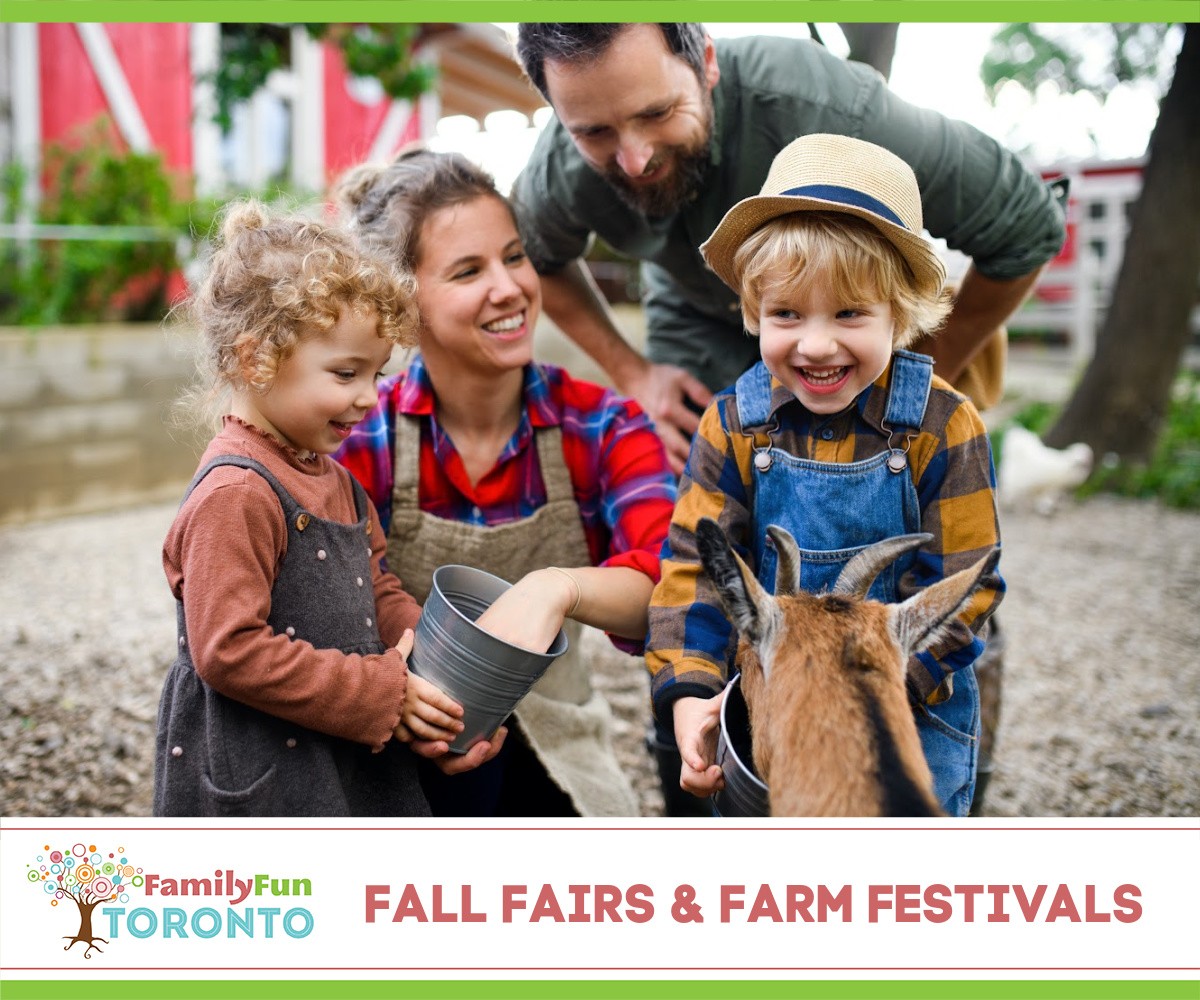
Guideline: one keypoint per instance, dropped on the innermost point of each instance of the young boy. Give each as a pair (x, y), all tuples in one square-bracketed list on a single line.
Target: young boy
[(838, 435)]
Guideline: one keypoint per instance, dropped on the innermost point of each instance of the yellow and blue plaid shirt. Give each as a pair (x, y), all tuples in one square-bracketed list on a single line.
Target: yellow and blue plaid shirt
[(691, 644)]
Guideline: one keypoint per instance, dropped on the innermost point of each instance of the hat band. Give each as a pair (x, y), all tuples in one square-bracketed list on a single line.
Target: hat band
[(847, 196)]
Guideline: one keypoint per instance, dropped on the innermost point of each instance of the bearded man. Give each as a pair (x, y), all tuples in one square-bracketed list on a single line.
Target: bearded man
[(659, 130)]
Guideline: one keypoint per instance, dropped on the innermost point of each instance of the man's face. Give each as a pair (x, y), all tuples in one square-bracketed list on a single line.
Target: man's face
[(639, 117)]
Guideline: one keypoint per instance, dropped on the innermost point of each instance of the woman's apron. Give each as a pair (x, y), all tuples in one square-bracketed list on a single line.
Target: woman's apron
[(566, 723), (215, 756), (834, 510)]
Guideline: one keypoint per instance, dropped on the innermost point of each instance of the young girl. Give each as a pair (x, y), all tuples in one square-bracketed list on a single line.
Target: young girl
[(285, 694)]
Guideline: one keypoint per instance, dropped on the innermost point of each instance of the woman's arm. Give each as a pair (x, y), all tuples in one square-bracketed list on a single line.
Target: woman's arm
[(530, 613)]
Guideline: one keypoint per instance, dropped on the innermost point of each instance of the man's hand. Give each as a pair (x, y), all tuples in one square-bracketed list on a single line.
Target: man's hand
[(661, 391)]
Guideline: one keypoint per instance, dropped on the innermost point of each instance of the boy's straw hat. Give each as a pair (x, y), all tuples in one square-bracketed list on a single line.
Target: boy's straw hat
[(832, 173)]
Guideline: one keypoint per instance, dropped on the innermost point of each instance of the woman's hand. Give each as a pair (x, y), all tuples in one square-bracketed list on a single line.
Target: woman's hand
[(455, 763), (530, 613), (696, 723)]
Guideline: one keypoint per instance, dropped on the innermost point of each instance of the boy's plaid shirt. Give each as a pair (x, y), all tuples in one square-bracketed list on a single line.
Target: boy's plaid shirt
[(691, 641)]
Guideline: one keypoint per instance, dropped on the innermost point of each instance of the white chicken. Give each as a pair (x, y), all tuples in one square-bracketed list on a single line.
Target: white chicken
[(1032, 474)]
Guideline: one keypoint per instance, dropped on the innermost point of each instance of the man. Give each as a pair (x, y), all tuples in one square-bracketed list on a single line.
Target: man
[(659, 130)]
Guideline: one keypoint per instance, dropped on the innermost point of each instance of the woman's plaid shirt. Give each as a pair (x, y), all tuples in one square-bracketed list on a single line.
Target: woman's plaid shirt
[(623, 485)]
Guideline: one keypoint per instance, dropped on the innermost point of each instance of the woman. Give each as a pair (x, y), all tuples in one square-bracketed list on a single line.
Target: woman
[(477, 455)]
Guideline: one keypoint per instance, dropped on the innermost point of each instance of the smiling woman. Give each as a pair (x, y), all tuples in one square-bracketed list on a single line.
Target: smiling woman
[(478, 455)]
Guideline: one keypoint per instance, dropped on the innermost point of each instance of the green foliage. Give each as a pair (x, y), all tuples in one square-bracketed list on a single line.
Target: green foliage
[(1033, 54), (383, 51), (1173, 473), (47, 281), (251, 52)]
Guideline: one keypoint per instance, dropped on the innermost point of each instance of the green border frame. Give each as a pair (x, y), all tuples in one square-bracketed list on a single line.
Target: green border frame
[(96, 988), (1041, 989), (584, 10)]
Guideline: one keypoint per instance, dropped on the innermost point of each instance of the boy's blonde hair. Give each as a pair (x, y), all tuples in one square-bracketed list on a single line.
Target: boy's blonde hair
[(274, 278), (849, 258)]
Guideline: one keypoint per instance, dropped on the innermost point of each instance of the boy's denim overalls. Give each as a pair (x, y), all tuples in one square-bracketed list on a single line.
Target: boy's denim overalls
[(834, 510)]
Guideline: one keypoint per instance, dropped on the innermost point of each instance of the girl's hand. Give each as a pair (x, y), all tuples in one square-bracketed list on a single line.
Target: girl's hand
[(429, 713), (530, 613), (696, 724)]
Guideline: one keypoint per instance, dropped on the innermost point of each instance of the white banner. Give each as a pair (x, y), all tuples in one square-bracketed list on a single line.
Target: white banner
[(1071, 899)]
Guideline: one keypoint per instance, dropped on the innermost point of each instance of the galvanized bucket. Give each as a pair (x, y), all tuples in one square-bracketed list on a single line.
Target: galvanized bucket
[(484, 674), (744, 793)]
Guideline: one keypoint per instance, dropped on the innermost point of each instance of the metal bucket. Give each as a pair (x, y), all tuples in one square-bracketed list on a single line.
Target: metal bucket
[(744, 793), (484, 674)]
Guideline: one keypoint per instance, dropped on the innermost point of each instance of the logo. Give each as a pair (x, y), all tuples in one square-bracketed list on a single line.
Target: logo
[(83, 875), (224, 906)]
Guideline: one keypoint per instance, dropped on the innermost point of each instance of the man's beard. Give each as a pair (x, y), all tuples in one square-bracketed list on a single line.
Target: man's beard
[(681, 185)]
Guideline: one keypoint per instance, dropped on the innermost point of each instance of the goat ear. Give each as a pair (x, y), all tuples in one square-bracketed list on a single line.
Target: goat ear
[(787, 573), (747, 604), (918, 622)]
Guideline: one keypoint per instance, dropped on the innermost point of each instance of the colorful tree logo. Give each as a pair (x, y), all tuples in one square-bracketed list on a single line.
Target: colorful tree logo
[(87, 878)]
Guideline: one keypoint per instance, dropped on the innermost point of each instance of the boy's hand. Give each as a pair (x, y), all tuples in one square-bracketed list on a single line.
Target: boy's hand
[(456, 763), (696, 723)]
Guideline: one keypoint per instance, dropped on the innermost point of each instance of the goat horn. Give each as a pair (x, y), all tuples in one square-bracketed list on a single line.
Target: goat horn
[(860, 572), (787, 571)]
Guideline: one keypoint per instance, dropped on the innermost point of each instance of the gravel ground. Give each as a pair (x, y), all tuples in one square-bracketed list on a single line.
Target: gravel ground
[(1101, 710)]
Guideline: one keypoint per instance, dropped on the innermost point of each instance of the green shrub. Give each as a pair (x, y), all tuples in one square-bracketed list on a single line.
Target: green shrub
[(46, 281), (1173, 473)]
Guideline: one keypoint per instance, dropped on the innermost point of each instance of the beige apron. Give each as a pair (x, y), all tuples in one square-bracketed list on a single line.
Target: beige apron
[(567, 724)]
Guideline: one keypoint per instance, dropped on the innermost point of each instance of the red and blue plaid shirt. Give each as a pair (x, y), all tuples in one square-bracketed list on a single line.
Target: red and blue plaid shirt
[(623, 485)]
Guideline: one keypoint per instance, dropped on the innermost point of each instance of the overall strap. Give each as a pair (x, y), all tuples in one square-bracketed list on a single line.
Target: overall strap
[(406, 473), (406, 461), (362, 503), (242, 462), (556, 477), (753, 390), (908, 393)]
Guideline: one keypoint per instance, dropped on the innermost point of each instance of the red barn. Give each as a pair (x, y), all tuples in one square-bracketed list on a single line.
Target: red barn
[(310, 121)]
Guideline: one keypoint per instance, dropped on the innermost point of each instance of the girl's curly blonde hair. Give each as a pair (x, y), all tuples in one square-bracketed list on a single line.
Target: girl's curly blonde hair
[(274, 278)]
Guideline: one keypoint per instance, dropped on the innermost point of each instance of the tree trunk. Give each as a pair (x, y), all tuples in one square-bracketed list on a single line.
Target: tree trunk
[(1122, 398), (873, 44)]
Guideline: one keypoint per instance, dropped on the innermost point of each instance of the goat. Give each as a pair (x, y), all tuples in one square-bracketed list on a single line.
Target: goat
[(823, 676)]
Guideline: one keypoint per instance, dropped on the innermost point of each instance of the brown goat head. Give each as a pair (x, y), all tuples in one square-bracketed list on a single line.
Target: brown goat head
[(823, 676)]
